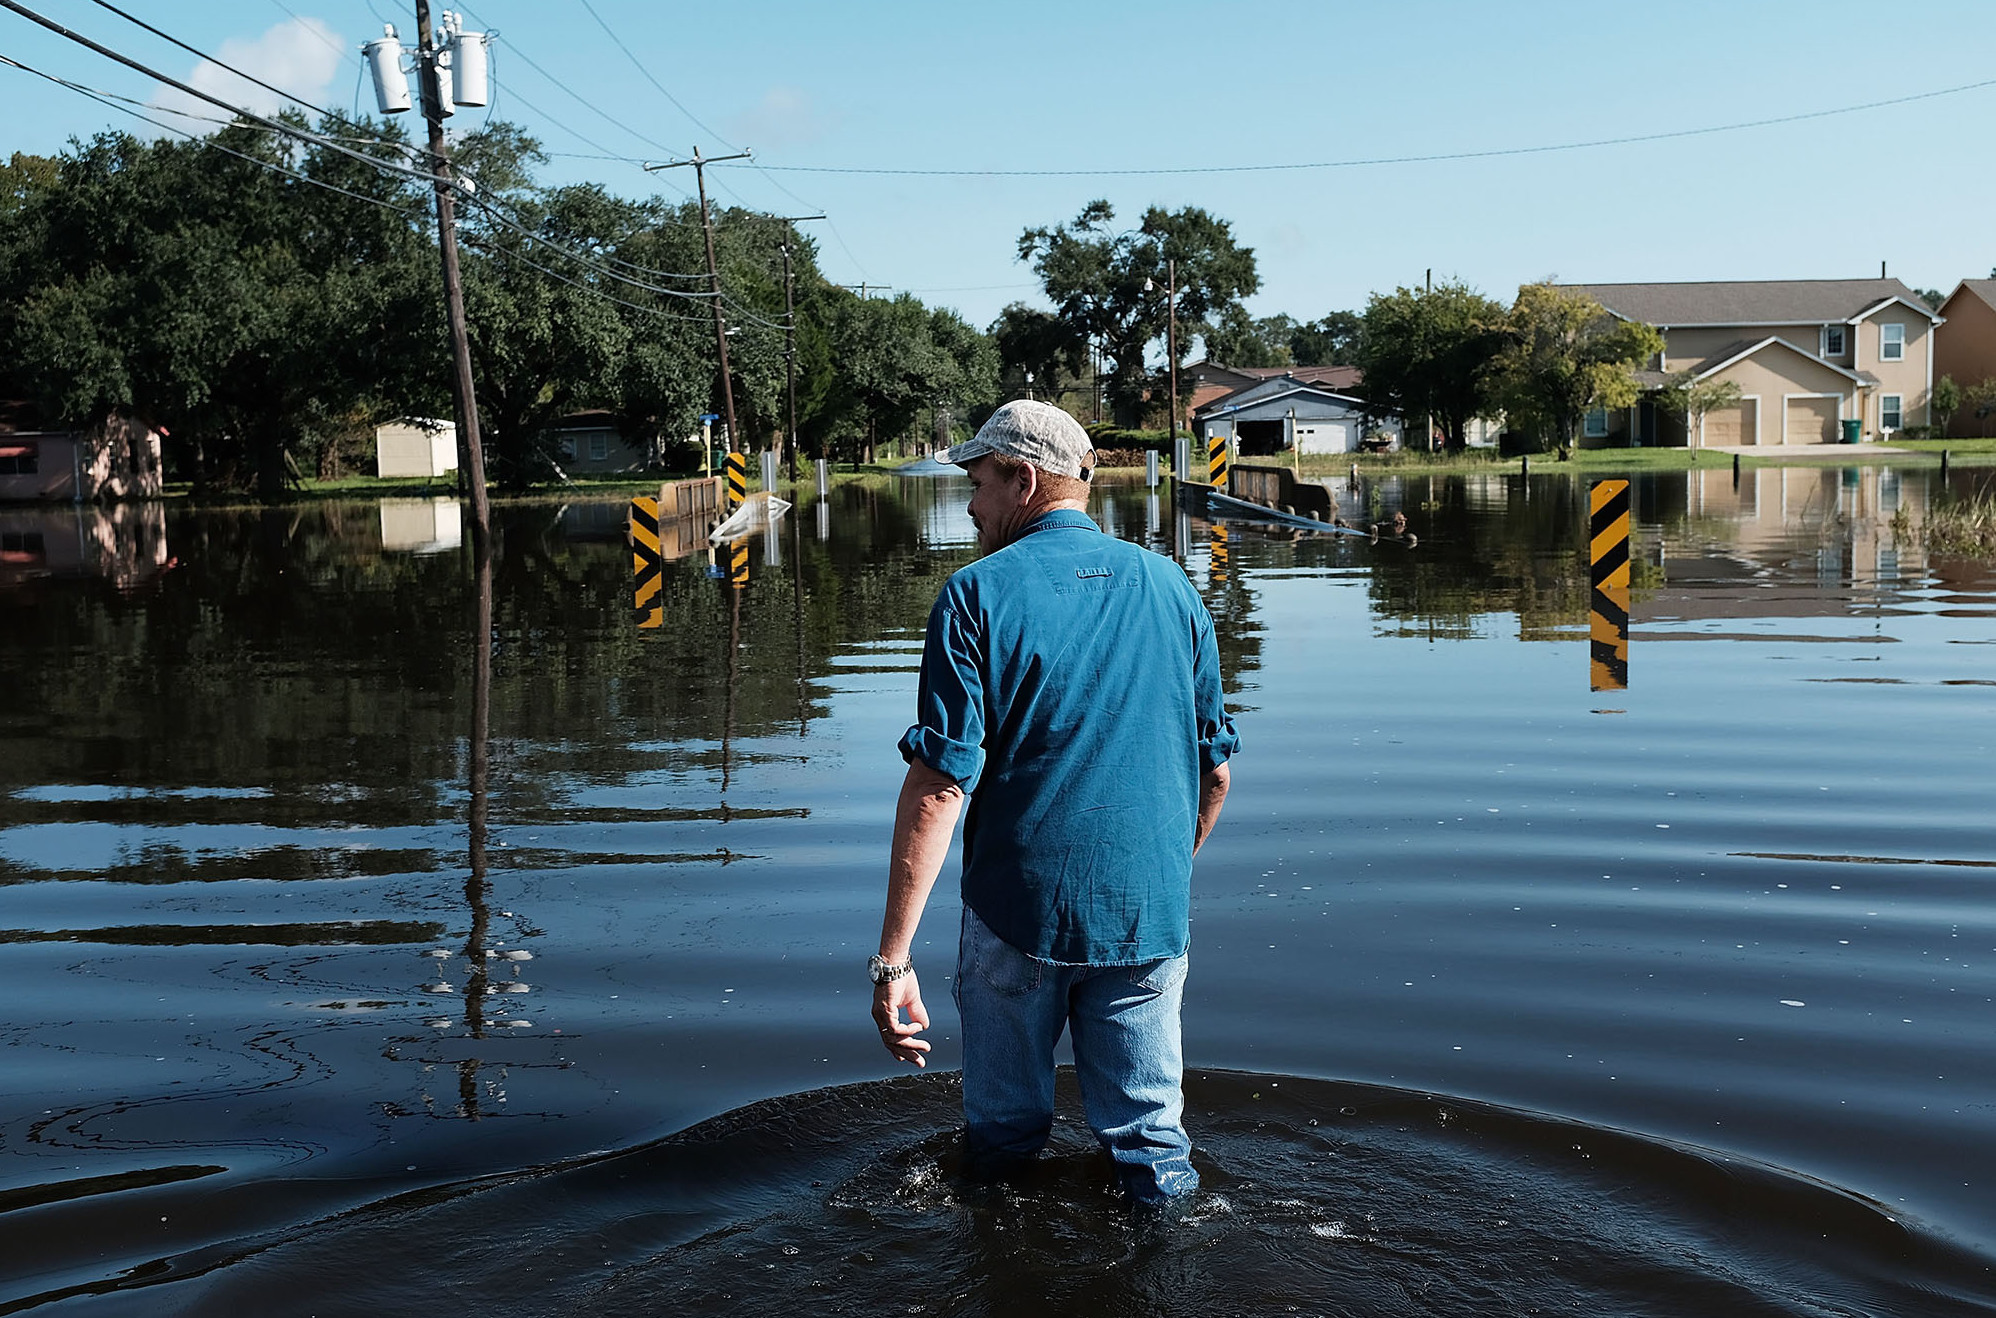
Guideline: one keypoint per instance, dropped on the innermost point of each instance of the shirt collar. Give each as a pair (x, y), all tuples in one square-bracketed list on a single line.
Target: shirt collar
[(1070, 518)]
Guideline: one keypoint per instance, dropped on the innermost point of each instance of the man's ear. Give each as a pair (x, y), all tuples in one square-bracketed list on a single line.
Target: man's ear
[(1029, 482)]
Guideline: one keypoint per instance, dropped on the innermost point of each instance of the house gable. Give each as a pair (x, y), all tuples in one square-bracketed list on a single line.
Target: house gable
[(1782, 358)]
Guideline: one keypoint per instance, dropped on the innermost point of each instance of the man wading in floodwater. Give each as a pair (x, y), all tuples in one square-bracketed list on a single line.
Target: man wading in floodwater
[(1071, 687)]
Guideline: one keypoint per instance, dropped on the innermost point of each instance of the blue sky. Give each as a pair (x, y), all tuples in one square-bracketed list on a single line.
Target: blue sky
[(1040, 86)]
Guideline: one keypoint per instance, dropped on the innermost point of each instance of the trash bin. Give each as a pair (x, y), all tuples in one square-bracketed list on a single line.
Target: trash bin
[(1852, 427)]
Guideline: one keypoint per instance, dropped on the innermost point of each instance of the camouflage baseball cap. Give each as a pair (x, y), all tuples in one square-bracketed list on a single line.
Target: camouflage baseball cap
[(1039, 433)]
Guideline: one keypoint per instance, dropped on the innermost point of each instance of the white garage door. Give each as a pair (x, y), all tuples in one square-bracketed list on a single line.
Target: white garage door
[(1326, 436)]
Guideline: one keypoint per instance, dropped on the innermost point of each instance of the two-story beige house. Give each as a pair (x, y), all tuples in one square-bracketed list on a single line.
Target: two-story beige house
[(1807, 355)]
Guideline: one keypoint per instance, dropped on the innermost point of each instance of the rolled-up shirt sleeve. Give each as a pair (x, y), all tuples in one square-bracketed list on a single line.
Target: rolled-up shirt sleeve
[(948, 733), (1217, 738)]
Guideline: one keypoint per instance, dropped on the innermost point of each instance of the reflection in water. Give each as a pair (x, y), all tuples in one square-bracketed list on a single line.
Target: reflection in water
[(236, 806), (421, 526), (122, 543), (1608, 553)]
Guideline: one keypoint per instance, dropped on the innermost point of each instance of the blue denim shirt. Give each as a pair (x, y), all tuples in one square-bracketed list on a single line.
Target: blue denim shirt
[(1070, 684)]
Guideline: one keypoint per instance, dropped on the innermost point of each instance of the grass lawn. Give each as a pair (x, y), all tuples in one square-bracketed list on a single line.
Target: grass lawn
[(1954, 448)]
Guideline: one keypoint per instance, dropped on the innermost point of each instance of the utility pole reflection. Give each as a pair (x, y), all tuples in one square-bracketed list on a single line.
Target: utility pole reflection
[(477, 889)]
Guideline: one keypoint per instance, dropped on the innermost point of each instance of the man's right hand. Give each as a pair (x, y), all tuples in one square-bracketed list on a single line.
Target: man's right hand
[(899, 1037)]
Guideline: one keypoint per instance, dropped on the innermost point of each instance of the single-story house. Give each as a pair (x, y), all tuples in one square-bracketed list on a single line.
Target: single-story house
[(1807, 355), (1965, 349), (1276, 415), (117, 458), (591, 441), (1209, 381), (415, 446)]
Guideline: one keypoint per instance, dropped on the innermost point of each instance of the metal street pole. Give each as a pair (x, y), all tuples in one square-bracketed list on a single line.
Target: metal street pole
[(700, 163), (470, 447)]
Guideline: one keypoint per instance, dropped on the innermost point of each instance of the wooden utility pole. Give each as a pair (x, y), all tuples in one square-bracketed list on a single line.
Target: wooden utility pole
[(1171, 340), (790, 336), (700, 163), (790, 353), (471, 449)]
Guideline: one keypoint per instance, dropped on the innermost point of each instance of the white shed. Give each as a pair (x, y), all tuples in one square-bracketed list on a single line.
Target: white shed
[(415, 446)]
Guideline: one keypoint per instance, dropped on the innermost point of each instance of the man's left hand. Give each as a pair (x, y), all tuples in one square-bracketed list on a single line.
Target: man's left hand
[(899, 1037)]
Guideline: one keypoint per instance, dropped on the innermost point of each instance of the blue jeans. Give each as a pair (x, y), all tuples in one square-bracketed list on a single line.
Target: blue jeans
[(1127, 1056)]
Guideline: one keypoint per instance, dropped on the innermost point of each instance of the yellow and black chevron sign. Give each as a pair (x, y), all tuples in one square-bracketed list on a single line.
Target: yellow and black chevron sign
[(737, 480), (1608, 557), (738, 563), (646, 563), (1216, 572), (1216, 461)]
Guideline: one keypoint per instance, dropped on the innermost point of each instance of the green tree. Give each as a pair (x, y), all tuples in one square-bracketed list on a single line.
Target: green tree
[(23, 178), (545, 337), (1565, 355), (897, 361), (1238, 339), (1035, 349), (1330, 341), (1427, 352), (1108, 286), (247, 311), (1691, 399), (1946, 400)]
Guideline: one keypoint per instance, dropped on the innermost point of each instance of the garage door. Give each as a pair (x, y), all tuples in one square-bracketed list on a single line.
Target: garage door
[(1325, 437), (1811, 421), (1733, 425)]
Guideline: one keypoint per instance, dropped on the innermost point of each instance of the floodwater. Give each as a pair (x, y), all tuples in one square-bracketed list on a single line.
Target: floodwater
[(375, 935)]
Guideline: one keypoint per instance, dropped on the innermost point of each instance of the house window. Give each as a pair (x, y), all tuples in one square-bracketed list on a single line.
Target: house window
[(1596, 424), (20, 459), (1891, 343), (1833, 340), (568, 447), (1890, 411), (599, 447)]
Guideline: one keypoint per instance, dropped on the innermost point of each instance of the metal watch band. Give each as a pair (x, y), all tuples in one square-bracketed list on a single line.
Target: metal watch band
[(882, 971)]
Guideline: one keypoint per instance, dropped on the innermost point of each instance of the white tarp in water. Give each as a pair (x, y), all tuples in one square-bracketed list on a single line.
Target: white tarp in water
[(756, 513)]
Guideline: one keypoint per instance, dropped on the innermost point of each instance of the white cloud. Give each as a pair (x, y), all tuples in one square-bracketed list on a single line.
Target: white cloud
[(785, 117), (301, 55)]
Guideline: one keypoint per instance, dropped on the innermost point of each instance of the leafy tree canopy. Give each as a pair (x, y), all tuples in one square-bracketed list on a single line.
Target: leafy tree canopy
[(1427, 353), (1564, 355), (1108, 286)]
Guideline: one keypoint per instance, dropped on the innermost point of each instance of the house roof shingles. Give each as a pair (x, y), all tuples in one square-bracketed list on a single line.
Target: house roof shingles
[(1982, 288), (1760, 302)]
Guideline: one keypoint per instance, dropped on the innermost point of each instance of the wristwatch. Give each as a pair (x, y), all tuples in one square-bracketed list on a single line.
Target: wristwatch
[(884, 971)]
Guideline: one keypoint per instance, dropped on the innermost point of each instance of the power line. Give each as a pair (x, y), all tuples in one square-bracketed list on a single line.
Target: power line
[(344, 52), (640, 66), (1434, 158), (472, 240), (592, 262), (578, 97), (247, 77), (110, 100), (274, 125)]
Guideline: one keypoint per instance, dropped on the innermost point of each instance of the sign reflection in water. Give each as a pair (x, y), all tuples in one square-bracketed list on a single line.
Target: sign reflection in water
[(272, 784)]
